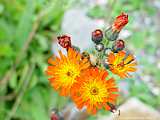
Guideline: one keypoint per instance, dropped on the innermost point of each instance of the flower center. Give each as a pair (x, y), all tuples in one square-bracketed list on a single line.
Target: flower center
[(69, 74), (120, 65), (94, 91)]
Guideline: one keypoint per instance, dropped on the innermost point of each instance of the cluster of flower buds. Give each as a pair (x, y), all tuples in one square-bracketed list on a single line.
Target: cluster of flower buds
[(111, 34), (107, 42)]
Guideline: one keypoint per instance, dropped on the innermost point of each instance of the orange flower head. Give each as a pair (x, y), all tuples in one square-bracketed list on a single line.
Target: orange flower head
[(65, 70), (121, 63), (120, 22), (93, 91)]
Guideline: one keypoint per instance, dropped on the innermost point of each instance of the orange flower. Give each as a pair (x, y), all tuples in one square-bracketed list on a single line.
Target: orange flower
[(120, 22), (93, 91), (65, 70), (121, 63)]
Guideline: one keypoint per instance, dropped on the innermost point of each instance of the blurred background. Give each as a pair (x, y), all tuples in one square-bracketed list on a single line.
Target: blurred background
[(28, 30)]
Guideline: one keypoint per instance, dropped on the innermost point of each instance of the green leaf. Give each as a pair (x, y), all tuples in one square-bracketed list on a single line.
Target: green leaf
[(42, 42), (6, 31), (13, 81), (38, 101), (34, 81), (25, 24)]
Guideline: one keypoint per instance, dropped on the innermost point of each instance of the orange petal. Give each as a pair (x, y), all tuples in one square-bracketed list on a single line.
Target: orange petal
[(107, 107), (105, 74), (128, 59), (113, 90), (113, 96), (111, 58), (131, 69)]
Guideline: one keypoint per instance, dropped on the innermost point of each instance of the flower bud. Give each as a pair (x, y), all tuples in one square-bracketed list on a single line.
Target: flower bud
[(97, 36), (118, 45), (64, 41), (113, 32), (120, 22), (54, 114), (99, 47)]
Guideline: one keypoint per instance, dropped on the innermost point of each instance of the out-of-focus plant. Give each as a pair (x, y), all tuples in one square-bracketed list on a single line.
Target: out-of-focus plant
[(26, 30)]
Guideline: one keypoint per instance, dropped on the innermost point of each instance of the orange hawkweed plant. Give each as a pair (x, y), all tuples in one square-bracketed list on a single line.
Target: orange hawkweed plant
[(85, 77), (94, 90)]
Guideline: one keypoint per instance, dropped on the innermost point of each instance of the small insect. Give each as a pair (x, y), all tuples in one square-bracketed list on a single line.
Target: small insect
[(85, 55)]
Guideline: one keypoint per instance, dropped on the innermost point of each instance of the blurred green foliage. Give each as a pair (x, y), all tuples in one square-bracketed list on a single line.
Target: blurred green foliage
[(26, 31)]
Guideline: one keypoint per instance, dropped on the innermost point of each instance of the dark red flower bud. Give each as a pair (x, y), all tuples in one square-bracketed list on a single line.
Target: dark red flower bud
[(97, 36), (54, 117), (54, 114), (118, 45), (64, 41)]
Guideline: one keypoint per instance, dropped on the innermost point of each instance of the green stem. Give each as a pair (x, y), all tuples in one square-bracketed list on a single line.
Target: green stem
[(105, 42)]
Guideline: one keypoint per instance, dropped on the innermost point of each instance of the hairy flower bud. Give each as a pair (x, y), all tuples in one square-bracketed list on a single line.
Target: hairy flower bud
[(97, 36), (64, 41), (120, 22), (113, 32), (54, 114), (118, 45)]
